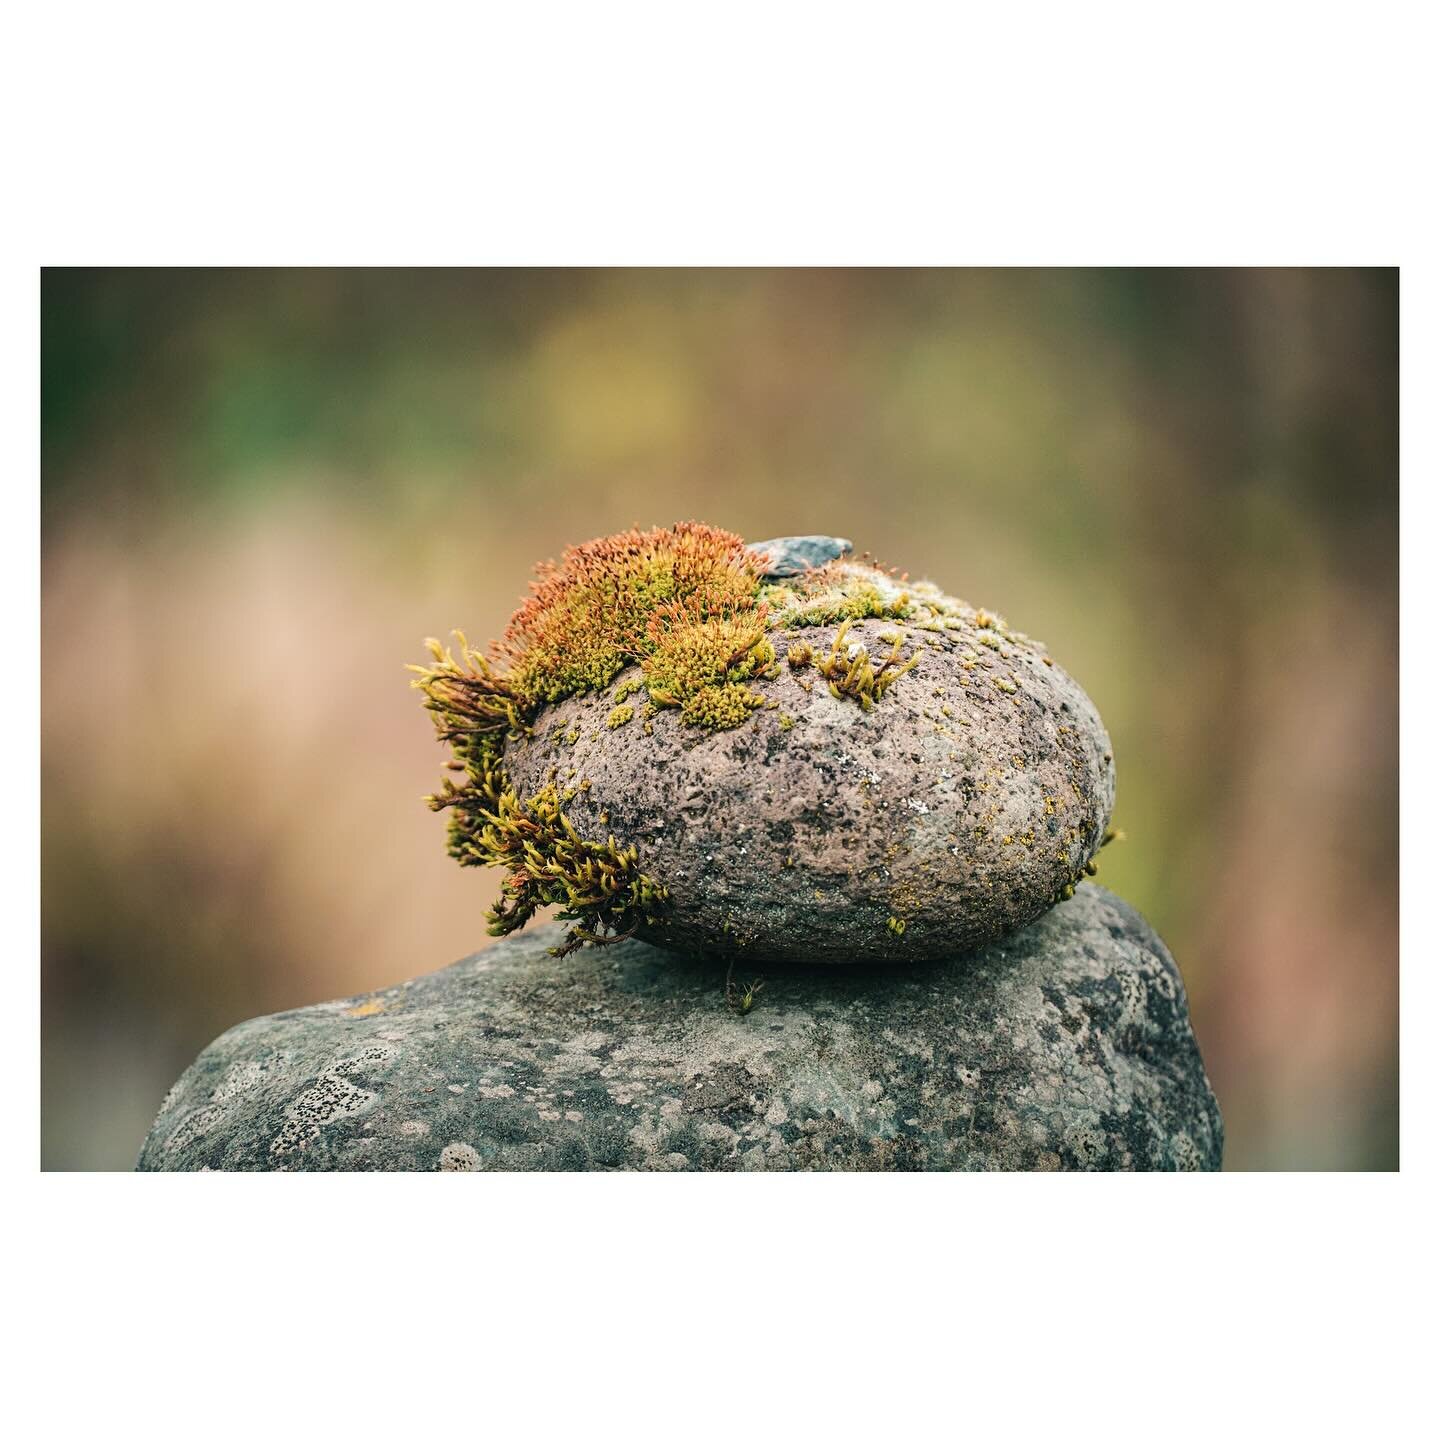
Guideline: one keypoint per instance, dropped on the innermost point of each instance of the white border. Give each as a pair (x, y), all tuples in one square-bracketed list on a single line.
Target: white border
[(775, 134)]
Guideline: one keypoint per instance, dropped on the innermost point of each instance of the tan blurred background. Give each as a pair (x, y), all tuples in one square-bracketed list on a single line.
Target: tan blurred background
[(261, 489)]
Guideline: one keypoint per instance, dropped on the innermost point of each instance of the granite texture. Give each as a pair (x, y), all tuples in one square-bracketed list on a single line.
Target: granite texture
[(1066, 1045)]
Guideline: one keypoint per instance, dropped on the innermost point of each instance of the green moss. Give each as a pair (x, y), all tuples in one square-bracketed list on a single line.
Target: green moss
[(851, 674), (703, 669), (600, 888), (740, 998), (719, 707), (621, 714)]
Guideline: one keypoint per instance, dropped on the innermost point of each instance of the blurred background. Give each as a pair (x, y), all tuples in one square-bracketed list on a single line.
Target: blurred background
[(262, 489)]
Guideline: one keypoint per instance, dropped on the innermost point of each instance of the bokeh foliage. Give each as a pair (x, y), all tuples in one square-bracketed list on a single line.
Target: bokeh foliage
[(262, 488)]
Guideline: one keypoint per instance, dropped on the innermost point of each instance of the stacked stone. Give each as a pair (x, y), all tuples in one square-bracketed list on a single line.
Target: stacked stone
[(875, 945)]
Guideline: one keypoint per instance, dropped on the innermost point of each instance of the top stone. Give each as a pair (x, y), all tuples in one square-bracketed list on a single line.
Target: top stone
[(775, 750)]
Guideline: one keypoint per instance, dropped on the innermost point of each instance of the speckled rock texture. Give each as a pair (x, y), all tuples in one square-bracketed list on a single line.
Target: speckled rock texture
[(958, 809), (1065, 1046)]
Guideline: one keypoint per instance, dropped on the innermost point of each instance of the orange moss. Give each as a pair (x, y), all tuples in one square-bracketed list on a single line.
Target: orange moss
[(590, 616)]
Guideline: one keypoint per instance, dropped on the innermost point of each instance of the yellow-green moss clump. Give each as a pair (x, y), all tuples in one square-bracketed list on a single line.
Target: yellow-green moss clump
[(600, 888), (703, 668), (851, 675)]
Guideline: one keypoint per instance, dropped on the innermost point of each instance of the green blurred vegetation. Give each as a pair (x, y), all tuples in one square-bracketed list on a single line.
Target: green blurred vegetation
[(262, 488)]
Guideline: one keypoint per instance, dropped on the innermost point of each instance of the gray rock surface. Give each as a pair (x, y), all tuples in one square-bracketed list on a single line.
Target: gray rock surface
[(795, 553), (1065, 1046), (960, 806)]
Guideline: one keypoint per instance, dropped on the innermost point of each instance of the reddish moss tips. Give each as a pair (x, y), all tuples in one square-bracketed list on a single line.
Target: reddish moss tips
[(590, 615)]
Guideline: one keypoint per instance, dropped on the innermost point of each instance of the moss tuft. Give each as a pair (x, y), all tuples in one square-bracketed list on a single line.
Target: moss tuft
[(590, 615), (600, 888), (841, 590), (851, 674), (704, 668), (681, 602)]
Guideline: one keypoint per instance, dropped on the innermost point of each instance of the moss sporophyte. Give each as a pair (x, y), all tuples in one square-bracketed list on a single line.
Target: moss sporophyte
[(690, 606)]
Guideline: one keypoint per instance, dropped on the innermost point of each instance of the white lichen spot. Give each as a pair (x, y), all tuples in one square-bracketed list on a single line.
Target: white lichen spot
[(241, 1078), (331, 1097)]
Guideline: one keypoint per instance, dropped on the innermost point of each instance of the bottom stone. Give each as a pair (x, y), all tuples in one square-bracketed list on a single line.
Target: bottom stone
[(1065, 1046)]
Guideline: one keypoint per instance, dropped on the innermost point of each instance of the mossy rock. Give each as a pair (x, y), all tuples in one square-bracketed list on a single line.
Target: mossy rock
[(773, 750)]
